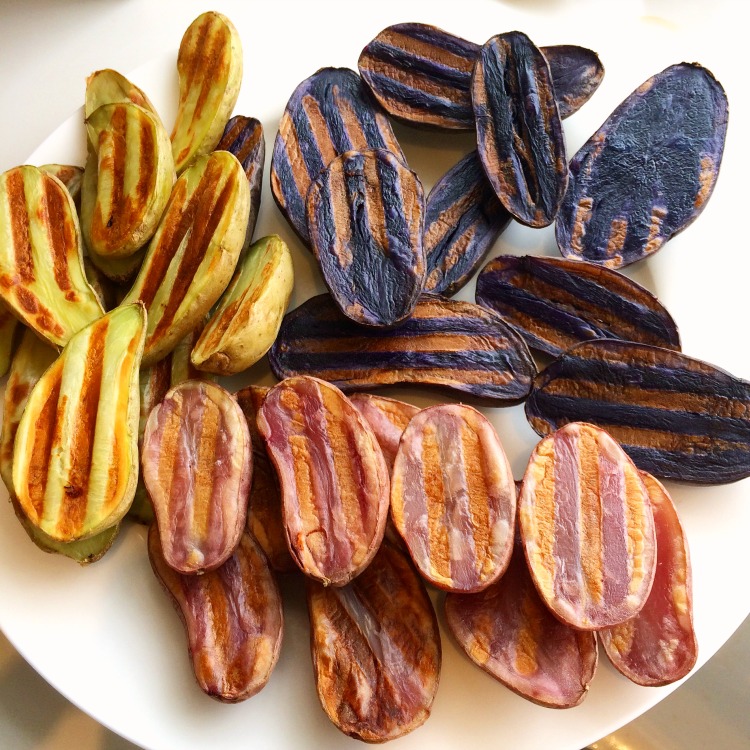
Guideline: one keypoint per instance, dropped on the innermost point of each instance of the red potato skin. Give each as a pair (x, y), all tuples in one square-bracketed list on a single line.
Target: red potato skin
[(587, 528), (376, 649), (453, 498), (333, 477), (197, 467), (232, 616), (509, 633), (658, 646)]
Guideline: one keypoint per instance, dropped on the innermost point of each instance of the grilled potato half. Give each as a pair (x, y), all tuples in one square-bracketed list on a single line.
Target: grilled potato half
[(249, 314), (108, 86), (121, 208), (75, 460), (31, 359), (194, 252), (41, 259), (209, 66)]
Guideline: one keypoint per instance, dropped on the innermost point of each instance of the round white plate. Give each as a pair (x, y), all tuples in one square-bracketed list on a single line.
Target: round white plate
[(107, 637)]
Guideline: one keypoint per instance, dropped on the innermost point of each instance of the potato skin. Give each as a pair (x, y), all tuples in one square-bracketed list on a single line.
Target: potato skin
[(249, 315)]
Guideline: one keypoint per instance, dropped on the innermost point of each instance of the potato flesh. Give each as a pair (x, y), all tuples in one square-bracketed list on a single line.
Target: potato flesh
[(75, 460)]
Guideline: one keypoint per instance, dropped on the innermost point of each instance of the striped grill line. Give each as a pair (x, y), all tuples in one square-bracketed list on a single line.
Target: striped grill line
[(192, 256), (243, 137), (463, 218), (453, 498), (329, 113), (422, 74), (197, 468), (69, 175), (365, 217), (134, 177), (382, 622), (233, 619), (677, 417), (522, 150), (509, 632), (555, 303), (333, 477), (116, 269), (587, 528), (658, 646), (209, 65), (444, 343), (387, 418), (41, 272), (75, 456), (620, 208)]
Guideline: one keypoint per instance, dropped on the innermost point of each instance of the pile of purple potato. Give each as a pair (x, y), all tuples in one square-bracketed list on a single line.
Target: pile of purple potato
[(588, 547)]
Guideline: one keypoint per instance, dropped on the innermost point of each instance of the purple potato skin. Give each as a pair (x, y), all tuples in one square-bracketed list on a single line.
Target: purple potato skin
[(494, 366), (329, 113), (676, 417), (649, 170), (463, 218), (243, 137), (519, 132), (556, 303), (446, 61), (365, 217)]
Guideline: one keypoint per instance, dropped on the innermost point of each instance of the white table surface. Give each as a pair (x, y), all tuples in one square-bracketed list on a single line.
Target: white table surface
[(47, 48)]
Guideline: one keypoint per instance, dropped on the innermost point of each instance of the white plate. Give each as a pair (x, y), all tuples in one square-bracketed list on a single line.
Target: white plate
[(107, 637)]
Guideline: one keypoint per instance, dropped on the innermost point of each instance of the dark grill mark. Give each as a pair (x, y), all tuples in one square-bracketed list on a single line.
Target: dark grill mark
[(19, 226)]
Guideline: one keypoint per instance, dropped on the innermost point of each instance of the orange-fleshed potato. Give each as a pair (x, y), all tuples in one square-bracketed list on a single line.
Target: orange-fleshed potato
[(42, 279), (334, 479), (75, 459), (376, 649), (508, 631), (197, 467), (191, 258), (658, 646), (232, 617), (209, 67), (31, 359), (587, 528), (249, 314), (122, 206), (154, 382), (453, 499)]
